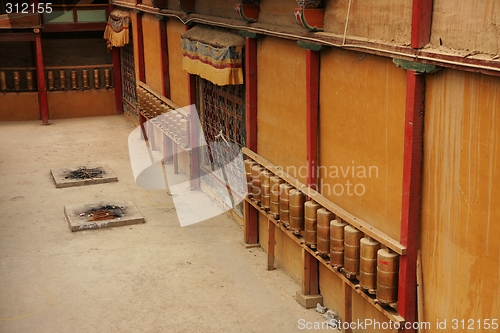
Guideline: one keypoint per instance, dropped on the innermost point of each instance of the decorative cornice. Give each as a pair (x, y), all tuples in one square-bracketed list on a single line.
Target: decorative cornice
[(309, 14), (248, 10)]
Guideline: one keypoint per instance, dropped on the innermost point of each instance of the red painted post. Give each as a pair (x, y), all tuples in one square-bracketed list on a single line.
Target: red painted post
[(40, 74), (251, 93), (117, 80), (165, 83), (195, 127), (412, 189), (141, 69), (421, 23), (251, 233), (312, 101)]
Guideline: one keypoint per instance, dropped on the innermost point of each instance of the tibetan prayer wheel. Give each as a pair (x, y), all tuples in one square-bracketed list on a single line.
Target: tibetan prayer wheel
[(107, 78), (285, 203), (85, 79), (171, 121), (265, 186), (157, 107), (275, 196), (74, 82), (248, 172), (297, 199), (311, 222), (256, 183), (62, 79), (323, 237), (352, 237), (50, 80), (97, 78), (29, 80), (17, 80), (178, 117), (387, 276), (368, 264), (164, 112), (337, 242), (3, 81), (185, 132)]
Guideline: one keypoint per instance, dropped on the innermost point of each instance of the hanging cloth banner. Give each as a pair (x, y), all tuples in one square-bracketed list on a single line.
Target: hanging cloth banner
[(214, 54), (117, 29)]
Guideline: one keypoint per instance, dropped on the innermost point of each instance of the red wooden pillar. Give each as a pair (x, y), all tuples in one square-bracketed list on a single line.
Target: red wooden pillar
[(312, 101), (40, 73), (165, 83), (117, 80), (251, 233), (412, 188), (421, 23), (141, 70)]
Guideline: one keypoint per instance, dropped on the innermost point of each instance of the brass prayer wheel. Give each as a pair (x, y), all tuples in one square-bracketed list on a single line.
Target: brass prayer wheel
[(368, 263), (97, 78), (50, 80), (107, 78), (17, 80), (297, 199), (62, 79), (387, 276), (158, 108), (275, 195), (352, 237), (311, 222), (3, 81), (85, 79), (323, 237), (248, 172), (179, 117), (74, 78), (256, 190), (265, 186), (29, 80), (337, 242), (185, 132), (285, 203)]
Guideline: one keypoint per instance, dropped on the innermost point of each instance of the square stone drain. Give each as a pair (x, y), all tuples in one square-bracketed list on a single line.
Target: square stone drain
[(102, 215), (85, 175)]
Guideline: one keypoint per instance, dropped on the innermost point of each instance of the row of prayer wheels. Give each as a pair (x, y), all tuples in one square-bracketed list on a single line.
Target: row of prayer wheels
[(357, 256), (173, 122), (57, 80)]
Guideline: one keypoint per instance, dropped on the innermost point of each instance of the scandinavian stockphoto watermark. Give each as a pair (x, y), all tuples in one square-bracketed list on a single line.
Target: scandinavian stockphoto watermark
[(156, 162)]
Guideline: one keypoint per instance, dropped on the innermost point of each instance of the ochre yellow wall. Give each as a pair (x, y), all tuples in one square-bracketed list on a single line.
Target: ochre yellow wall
[(19, 106), (281, 119), (178, 78), (362, 100), (460, 204), (152, 51), (86, 103)]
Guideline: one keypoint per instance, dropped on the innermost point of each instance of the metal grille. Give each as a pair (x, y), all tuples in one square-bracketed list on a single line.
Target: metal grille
[(222, 110), (129, 94)]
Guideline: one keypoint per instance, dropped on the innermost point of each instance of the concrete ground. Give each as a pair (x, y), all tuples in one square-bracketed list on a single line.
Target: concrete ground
[(153, 277)]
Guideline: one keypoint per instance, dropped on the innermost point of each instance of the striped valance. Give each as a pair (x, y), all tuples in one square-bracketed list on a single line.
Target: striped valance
[(214, 54), (117, 29)]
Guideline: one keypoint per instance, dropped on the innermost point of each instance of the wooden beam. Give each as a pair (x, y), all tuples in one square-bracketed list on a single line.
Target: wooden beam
[(40, 74), (165, 83), (74, 27), (117, 80), (421, 18), (17, 37), (251, 226), (312, 116), (411, 194), (310, 274), (251, 92), (356, 222)]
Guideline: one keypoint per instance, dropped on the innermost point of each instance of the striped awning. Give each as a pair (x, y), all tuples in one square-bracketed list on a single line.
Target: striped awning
[(117, 29), (215, 54)]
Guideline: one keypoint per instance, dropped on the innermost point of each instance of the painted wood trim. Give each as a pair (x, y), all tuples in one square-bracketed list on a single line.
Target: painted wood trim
[(312, 118), (356, 222), (411, 194), (40, 73), (165, 83), (421, 19)]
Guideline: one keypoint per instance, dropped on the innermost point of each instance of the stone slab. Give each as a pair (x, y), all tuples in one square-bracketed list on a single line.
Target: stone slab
[(78, 223), (308, 301), (59, 177)]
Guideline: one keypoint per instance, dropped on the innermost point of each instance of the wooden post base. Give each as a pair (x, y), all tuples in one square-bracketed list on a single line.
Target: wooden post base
[(308, 301)]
